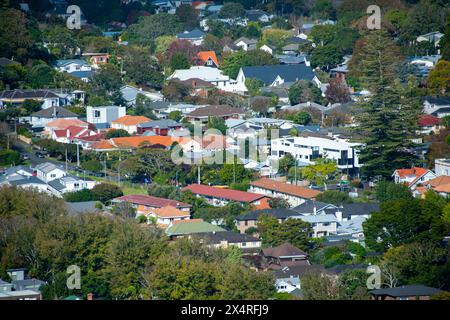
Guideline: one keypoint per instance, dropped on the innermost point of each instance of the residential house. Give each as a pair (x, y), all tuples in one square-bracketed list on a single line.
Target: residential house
[(267, 48), (442, 167), (48, 171), (144, 203), (134, 142), (69, 183), (208, 74), (275, 75), (433, 37), (227, 239), (407, 292), (75, 67), (288, 279), (322, 224), (290, 49), (23, 177), (256, 15), (249, 220), (103, 116), (96, 59), (163, 127), (429, 124), (182, 228), (295, 195), (440, 184), (438, 107), (284, 255), (129, 123), (422, 65), (208, 59), (40, 118), (307, 149), (221, 196), (199, 87), (73, 134), (18, 96), (162, 109), (21, 287), (413, 176), (164, 216), (130, 93), (63, 124), (246, 44), (215, 111), (194, 36)]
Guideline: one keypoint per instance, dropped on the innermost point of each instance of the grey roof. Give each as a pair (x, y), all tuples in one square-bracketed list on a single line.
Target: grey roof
[(7, 62), (255, 14), (355, 209), (290, 73), (27, 94), (81, 207), (3, 283), (57, 185), (26, 180), (246, 40), (296, 40), (162, 124), (229, 236), (47, 167), (290, 59), (54, 112), (337, 269), (440, 101), (23, 284), (18, 168), (317, 218), (194, 34), (308, 207), (351, 226), (298, 270), (62, 63), (406, 291), (279, 213), (82, 74)]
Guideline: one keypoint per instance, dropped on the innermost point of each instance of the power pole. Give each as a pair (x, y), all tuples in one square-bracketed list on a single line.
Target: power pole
[(78, 155), (198, 175), (118, 169), (104, 165), (295, 170), (66, 160)]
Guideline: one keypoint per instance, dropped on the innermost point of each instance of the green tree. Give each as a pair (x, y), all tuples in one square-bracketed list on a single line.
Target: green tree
[(388, 118), (386, 190), (41, 76), (117, 133), (254, 85), (304, 91), (334, 197), (179, 61), (104, 192), (175, 116), (187, 15), (231, 10), (149, 28), (273, 233), (438, 82), (15, 40), (234, 62), (326, 57), (92, 165)]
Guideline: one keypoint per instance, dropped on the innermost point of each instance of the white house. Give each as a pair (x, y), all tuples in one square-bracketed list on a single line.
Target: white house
[(246, 44), (48, 172), (103, 116), (195, 36), (18, 96), (433, 37), (212, 75), (413, 176), (276, 75), (69, 183), (267, 48), (44, 116), (438, 107), (72, 65), (307, 149)]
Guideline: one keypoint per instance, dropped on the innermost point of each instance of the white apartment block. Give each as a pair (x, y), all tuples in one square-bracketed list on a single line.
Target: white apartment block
[(307, 149)]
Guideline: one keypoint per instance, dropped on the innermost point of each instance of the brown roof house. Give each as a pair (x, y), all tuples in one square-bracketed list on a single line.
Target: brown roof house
[(279, 257), (217, 111)]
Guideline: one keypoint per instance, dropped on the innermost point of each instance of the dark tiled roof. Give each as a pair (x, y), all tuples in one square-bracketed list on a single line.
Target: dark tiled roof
[(355, 209), (299, 271), (57, 111), (196, 33), (7, 62), (279, 213), (290, 73), (442, 101), (406, 291), (308, 206), (215, 111), (27, 94), (284, 250), (166, 123)]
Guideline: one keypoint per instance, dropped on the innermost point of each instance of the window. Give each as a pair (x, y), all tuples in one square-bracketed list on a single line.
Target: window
[(96, 113)]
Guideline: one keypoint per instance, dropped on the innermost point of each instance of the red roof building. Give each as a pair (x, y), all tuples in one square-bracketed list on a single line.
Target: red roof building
[(427, 120), (221, 196), (208, 59), (412, 177), (143, 203)]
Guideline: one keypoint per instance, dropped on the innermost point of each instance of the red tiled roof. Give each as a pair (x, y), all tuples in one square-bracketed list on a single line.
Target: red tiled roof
[(187, 221), (151, 201), (226, 194), (428, 120), (269, 184), (441, 180), (414, 171), (205, 55), (131, 120)]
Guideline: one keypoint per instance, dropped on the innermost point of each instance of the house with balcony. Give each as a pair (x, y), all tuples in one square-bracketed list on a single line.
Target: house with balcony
[(103, 116)]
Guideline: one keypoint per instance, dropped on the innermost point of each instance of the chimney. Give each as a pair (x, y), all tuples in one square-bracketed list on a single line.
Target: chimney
[(90, 296), (314, 209), (338, 214)]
